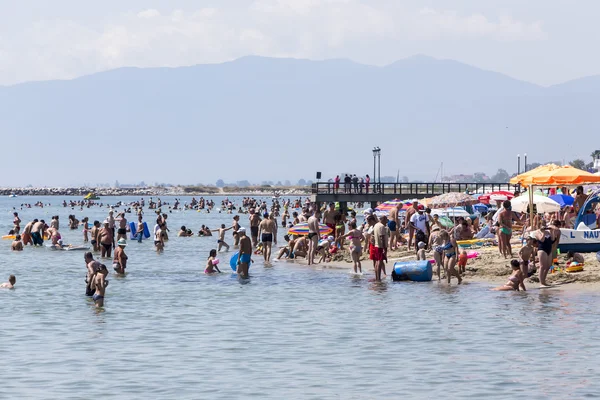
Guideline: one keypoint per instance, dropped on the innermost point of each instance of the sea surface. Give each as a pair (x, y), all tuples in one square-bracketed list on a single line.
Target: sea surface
[(168, 331)]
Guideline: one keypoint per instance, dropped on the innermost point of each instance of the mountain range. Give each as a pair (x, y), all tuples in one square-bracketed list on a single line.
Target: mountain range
[(260, 118)]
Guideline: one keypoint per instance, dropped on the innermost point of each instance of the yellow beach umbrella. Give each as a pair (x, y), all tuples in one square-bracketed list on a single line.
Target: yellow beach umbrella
[(565, 175), (526, 178)]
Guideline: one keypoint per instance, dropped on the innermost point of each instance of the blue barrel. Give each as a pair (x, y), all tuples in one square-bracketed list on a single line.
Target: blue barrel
[(418, 271)]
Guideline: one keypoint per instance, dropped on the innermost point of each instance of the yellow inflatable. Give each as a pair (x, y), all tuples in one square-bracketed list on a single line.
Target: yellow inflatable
[(574, 267)]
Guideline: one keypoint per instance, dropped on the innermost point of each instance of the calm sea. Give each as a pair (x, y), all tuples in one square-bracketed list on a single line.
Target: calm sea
[(290, 332)]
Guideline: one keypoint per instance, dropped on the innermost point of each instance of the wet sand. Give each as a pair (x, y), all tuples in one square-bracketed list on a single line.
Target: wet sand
[(489, 268)]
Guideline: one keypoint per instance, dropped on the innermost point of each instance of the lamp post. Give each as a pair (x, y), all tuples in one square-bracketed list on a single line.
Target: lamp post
[(518, 164), (376, 164), (525, 166)]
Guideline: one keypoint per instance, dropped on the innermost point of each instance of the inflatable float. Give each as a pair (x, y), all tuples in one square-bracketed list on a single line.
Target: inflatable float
[(13, 237), (67, 247), (416, 271), (574, 267), (133, 230), (233, 262)]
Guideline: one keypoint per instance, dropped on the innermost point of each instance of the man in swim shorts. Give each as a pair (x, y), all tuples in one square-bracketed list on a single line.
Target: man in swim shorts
[(329, 216), (394, 224), (313, 235), (92, 266), (245, 254), (254, 222), (381, 240), (221, 239), (267, 230), (122, 230), (37, 233)]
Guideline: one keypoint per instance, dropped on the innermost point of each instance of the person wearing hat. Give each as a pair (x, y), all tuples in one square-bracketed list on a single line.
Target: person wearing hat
[(407, 225), (120, 258), (245, 254)]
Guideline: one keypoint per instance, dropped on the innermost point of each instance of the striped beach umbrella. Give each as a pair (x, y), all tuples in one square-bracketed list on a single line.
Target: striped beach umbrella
[(302, 229)]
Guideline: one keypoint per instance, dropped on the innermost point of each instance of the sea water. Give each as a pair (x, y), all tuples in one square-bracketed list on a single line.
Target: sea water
[(289, 332)]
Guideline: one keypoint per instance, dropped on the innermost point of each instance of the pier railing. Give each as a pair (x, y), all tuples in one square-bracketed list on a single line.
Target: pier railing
[(409, 189)]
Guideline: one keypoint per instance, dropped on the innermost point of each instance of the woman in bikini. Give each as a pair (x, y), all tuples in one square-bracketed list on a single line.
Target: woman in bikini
[(356, 236), (435, 243), (450, 248), (515, 280), (86, 228)]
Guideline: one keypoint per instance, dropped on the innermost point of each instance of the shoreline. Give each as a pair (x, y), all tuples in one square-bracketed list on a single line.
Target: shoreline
[(488, 269), (147, 191)]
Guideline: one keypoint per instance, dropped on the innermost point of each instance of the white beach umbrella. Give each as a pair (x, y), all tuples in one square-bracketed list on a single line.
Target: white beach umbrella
[(542, 204)]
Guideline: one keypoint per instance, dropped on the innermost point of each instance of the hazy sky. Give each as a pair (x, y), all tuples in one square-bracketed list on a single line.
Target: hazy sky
[(541, 41)]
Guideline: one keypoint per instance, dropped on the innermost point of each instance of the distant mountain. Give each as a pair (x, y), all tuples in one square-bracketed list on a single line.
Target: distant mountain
[(259, 118)]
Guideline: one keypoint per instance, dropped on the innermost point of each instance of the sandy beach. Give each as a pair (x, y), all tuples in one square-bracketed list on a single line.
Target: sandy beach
[(489, 268)]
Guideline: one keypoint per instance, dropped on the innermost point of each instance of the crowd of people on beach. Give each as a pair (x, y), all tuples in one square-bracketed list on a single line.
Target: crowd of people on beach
[(327, 232)]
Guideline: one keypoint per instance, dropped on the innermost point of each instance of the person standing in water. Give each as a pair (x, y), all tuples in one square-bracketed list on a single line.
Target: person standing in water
[(139, 234), (16, 223), (120, 258), (236, 227), (381, 240), (254, 222), (313, 236), (100, 284), (27, 239), (245, 254), (267, 230), (356, 236), (122, 230), (92, 266), (106, 240), (221, 240)]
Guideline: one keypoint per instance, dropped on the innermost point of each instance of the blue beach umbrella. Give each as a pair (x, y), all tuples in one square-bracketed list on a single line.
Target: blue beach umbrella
[(563, 199)]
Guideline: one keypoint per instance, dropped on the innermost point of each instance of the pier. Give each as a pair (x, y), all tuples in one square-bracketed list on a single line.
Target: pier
[(325, 192)]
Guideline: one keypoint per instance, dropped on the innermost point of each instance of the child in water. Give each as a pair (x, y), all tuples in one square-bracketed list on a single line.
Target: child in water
[(421, 252), (211, 264), (527, 255)]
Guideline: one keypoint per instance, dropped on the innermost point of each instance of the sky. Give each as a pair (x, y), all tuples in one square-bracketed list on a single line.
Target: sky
[(540, 41)]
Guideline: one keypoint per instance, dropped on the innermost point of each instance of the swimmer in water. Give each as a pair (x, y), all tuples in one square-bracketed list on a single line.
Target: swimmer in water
[(17, 245), (515, 280), (10, 284), (211, 266)]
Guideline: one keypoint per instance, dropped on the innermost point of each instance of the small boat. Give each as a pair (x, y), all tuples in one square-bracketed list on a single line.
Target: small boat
[(91, 196), (585, 238), (12, 195)]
